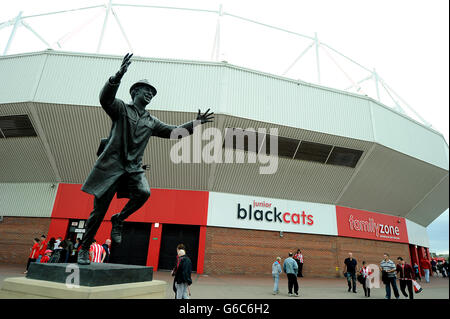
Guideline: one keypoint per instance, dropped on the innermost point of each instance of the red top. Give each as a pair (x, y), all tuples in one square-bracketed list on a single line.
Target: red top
[(97, 251), (365, 271), (45, 259), (405, 271), (425, 264), (34, 251), (299, 257), (43, 248)]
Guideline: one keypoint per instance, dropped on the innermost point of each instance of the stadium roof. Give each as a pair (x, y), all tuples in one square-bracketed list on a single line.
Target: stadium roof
[(402, 169)]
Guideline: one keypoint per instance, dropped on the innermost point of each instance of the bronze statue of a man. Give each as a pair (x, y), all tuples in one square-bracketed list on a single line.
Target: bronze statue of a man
[(119, 166)]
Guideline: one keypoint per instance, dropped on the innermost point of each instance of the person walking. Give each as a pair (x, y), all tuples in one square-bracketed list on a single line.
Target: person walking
[(299, 259), (106, 246), (405, 277), (42, 247), (389, 279), (179, 247), (290, 268), (276, 271), (59, 254), (76, 248), (33, 254), (426, 266), (417, 271), (365, 273), (96, 252), (183, 275), (57, 242), (433, 267), (440, 268), (46, 257), (69, 249), (350, 272), (51, 244)]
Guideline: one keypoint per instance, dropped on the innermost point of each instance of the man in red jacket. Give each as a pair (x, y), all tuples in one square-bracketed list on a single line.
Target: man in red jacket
[(426, 266), (406, 276)]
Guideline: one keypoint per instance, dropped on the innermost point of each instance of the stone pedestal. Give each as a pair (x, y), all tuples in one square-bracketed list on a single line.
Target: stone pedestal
[(95, 281)]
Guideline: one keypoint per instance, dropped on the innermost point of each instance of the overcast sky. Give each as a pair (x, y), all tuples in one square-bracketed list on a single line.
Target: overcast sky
[(406, 41)]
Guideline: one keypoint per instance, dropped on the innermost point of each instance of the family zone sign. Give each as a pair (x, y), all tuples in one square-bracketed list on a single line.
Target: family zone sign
[(362, 224)]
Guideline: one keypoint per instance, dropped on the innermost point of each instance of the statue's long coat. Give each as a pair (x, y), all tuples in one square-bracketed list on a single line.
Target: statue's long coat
[(126, 143)]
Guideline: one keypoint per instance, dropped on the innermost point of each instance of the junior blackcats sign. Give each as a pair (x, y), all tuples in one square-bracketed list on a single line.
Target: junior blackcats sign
[(251, 212)]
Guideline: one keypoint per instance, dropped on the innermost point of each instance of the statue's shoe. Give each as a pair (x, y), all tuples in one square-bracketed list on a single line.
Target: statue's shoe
[(116, 231), (83, 257)]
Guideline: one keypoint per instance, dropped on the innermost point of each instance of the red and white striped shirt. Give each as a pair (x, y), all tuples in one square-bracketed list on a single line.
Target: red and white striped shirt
[(96, 251), (299, 257), (365, 271)]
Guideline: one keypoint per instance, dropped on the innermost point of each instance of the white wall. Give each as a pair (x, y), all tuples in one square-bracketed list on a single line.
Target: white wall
[(417, 234), (27, 199)]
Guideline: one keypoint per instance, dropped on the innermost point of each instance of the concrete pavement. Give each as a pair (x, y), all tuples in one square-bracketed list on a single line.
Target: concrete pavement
[(246, 287)]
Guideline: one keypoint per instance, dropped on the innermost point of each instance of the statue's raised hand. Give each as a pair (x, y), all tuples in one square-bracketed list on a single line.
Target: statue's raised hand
[(125, 64), (205, 117), (123, 68)]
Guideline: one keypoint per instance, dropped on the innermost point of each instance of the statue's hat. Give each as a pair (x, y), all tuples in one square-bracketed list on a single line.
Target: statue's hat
[(146, 83)]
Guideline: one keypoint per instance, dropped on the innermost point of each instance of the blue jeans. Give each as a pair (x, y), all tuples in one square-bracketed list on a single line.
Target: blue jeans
[(276, 279), (427, 275), (182, 291), (351, 280), (392, 281)]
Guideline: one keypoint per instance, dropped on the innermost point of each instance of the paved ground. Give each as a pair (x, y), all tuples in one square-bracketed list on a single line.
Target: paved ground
[(244, 287)]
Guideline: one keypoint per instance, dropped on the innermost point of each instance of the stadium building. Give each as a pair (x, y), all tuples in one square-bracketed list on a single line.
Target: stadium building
[(352, 175)]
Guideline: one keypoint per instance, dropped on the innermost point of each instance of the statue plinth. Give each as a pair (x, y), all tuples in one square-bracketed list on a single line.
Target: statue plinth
[(95, 274), (94, 281)]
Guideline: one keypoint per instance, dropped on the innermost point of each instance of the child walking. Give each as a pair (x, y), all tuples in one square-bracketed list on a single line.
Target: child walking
[(365, 272), (276, 271)]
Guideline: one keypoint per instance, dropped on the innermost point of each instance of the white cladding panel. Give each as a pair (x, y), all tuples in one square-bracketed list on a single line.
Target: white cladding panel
[(230, 210), (406, 136), (19, 77), (417, 234), (70, 78), (27, 199), (276, 100), (432, 205), (78, 80)]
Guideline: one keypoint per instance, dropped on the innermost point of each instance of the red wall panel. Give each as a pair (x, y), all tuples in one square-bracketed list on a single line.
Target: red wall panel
[(201, 250), (164, 206), (153, 246), (363, 224), (58, 228)]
